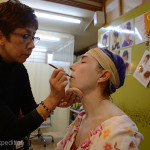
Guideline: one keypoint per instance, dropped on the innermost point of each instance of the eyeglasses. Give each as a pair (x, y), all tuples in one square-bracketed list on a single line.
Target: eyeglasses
[(28, 38)]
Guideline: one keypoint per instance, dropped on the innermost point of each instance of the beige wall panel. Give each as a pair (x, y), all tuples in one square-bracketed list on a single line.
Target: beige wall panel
[(144, 1), (112, 10), (128, 5), (3, 1)]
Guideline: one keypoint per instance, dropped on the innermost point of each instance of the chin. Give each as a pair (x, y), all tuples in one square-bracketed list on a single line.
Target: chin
[(72, 86), (22, 60)]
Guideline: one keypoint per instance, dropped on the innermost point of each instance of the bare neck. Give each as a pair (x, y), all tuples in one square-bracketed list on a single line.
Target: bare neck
[(94, 103)]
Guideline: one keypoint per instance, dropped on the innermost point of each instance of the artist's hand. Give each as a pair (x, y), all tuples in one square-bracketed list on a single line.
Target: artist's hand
[(58, 82), (72, 95)]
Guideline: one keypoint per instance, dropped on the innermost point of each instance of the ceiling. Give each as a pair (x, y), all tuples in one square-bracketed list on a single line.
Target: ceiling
[(85, 34)]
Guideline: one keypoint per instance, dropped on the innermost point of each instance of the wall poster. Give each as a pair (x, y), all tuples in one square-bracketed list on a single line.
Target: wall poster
[(104, 41), (127, 33), (142, 72), (142, 28), (115, 40), (126, 55)]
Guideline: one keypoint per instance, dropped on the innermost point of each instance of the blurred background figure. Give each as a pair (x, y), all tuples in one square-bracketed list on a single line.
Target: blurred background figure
[(115, 42), (127, 40), (125, 57), (104, 41)]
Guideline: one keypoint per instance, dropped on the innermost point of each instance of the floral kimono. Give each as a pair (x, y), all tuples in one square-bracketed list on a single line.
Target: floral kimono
[(115, 133)]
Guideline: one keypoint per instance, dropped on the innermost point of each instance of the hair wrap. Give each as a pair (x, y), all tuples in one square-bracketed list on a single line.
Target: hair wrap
[(114, 63)]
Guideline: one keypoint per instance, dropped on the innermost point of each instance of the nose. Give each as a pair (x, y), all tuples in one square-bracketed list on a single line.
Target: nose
[(72, 67), (31, 45)]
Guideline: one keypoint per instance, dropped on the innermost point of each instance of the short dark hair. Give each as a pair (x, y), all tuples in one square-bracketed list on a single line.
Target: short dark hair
[(116, 33), (105, 36), (147, 56), (125, 53), (14, 14), (128, 25), (107, 89)]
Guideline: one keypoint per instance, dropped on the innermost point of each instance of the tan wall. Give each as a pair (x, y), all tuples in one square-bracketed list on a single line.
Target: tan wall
[(2, 1), (113, 8), (128, 5), (146, 1)]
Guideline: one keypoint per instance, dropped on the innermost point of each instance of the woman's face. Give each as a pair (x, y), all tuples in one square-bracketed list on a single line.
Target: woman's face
[(18, 48), (115, 39), (104, 42), (85, 73), (125, 58), (127, 36)]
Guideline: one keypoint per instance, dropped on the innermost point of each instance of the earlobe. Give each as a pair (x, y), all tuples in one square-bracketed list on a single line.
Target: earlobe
[(1, 39), (104, 76), (1, 42)]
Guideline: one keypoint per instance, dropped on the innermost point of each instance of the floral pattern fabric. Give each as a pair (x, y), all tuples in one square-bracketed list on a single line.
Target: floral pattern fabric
[(115, 133)]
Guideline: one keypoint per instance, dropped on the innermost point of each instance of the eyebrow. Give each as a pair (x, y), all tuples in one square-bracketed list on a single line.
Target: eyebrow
[(28, 31)]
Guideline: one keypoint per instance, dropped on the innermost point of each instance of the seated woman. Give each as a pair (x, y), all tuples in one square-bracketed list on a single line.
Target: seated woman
[(102, 125)]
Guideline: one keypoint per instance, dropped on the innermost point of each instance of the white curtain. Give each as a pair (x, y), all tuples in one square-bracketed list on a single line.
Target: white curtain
[(64, 55), (39, 75)]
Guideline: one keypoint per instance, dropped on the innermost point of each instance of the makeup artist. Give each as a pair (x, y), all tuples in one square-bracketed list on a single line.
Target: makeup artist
[(18, 25)]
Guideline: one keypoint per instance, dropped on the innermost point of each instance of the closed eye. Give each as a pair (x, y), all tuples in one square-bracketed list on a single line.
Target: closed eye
[(83, 59)]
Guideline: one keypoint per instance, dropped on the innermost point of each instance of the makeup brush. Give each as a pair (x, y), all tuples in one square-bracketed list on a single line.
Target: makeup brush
[(57, 68)]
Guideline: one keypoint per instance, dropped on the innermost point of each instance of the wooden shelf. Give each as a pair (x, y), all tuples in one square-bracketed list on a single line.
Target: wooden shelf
[(73, 110), (73, 114)]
